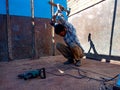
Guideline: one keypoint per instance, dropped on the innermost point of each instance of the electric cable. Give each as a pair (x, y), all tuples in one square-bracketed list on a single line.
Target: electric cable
[(103, 81), (80, 76)]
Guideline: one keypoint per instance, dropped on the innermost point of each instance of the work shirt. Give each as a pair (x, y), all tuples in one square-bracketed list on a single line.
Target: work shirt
[(70, 38)]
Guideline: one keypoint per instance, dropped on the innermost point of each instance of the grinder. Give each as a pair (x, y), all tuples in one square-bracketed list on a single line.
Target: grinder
[(117, 84), (33, 74)]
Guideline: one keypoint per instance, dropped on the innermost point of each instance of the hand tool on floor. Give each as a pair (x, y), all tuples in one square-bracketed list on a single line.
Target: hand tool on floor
[(33, 74)]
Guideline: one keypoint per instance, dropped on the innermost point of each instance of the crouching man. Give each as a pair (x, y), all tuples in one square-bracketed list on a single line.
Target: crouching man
[(73, 50)]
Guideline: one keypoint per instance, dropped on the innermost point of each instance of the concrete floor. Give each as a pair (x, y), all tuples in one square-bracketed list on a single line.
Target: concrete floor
[(58, 76)]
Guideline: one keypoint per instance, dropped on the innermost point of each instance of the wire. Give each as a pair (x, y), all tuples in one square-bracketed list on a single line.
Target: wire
[(103, 81), (65, 74), (86, 8), (106, 80), (81, 73)]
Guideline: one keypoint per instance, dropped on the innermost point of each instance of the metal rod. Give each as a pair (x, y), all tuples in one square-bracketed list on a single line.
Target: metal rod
[(10, 55), (33, 31), (113, 24), (53, 34)]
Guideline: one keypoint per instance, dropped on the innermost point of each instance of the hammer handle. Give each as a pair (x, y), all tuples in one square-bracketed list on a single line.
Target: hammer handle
[(53, 4)]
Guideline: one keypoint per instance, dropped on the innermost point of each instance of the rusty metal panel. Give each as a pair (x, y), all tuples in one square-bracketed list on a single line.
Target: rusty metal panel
[(21, 37), (3, 39), (43, 37)]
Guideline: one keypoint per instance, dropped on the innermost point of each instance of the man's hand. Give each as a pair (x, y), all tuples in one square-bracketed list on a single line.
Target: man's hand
[(57, 13), (60, 8), (53, 20)]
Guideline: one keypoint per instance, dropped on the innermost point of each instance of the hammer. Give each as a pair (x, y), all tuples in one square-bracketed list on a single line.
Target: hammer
[(61, 7)]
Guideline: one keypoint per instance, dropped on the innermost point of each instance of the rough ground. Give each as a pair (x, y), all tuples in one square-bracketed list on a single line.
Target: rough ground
[(86, 77)]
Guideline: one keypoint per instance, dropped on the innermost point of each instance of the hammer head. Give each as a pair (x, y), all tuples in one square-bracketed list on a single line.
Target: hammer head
[(68, 11)]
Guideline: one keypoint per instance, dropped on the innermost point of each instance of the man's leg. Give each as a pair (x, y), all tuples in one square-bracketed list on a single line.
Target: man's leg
[(78, 54), (66, 52)]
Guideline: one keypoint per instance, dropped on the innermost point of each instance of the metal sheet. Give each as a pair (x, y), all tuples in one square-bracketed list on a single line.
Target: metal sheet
[(3, 39)]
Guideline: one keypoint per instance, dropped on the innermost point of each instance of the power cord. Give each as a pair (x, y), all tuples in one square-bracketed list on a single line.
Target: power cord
[(82, 74)]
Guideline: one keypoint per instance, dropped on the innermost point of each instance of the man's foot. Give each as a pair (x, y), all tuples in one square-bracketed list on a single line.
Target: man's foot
[(69, 61), (78, 63)]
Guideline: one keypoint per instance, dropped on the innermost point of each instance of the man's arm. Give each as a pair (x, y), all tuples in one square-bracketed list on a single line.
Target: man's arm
[(57, 13), (53, 19), (68, 25)]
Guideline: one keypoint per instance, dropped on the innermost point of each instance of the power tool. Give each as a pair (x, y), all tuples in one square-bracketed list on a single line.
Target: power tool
[(117, 84), (33, 74)]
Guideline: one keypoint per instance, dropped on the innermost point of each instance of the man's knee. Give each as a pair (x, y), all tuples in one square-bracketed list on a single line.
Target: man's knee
[(77, 51)]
